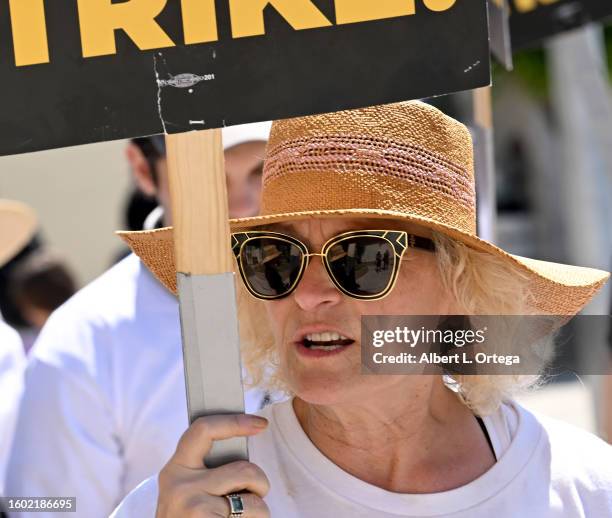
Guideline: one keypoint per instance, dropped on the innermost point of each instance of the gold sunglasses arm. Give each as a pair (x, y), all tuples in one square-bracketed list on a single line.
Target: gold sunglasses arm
[(422, 243)]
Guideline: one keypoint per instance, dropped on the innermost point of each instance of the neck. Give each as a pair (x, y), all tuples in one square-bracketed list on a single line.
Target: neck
[(421, 439)]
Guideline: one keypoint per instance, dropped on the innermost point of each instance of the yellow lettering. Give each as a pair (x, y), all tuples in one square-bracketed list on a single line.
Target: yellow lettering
[(248, 20), (199, 21), (439, 5), (29, 32), (525, 6), (101, 18), (355, 11)]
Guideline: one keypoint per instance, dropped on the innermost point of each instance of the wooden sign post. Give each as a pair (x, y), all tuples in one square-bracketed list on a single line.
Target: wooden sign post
[(484, 162), (211, 346)]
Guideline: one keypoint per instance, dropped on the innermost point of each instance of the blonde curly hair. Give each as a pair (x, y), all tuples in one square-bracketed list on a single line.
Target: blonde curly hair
[(481, 284)]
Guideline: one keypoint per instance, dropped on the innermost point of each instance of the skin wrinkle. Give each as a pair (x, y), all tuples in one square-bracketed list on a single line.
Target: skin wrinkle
[(318, 415), (400, 433)]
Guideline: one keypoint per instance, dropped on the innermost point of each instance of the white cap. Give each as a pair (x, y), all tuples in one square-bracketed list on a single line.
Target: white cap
[(256, 131), (232, 135)]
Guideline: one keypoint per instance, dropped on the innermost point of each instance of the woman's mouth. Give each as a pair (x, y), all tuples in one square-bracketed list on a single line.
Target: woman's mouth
[(323, 344)]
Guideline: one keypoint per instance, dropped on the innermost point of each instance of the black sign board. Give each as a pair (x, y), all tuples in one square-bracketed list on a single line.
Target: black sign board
[(82, 71), (532, 21)]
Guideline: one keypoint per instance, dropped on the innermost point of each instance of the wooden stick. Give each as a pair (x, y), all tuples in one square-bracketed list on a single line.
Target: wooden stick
[(199, 202), (205, 280), (483, 108), (484, 162)]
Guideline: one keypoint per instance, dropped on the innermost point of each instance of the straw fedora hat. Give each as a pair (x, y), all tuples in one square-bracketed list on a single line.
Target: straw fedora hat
[(18, 223), (405, 161)]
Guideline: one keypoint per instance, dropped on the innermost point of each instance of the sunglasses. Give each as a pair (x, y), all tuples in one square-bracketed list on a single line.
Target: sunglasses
[(362, 264)]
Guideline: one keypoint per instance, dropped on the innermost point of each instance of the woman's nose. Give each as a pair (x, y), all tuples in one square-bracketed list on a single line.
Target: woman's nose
[(316, 290)]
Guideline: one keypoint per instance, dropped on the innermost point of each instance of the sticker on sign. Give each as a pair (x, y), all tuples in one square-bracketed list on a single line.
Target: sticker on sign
[(185, 80)]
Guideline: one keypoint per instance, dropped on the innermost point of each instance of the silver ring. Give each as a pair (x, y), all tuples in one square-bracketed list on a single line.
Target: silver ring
[(236, 505)]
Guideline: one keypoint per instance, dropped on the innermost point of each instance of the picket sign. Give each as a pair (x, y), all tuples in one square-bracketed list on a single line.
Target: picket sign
[(97, 70), (533, 21)]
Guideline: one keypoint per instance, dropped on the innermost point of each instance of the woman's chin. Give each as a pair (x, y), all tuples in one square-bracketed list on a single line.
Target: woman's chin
[(322, 391)]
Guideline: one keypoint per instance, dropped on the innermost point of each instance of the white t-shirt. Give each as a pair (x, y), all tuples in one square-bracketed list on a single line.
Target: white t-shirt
[(12, 365), (104, 402), (545, 469)]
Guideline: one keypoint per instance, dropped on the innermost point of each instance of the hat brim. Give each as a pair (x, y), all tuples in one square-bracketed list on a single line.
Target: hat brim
[(18, 223), (557, 289)]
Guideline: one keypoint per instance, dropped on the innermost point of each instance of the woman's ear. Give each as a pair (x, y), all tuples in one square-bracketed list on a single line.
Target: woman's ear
[(141, 170)]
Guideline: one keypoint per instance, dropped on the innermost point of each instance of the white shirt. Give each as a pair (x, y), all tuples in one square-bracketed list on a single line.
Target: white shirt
[(545, 469), (104, 403), (12, 365)]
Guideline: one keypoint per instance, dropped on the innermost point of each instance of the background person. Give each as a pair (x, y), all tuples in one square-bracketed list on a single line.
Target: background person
[(368, 446), (39, 285), (12, 366), (17, 226), (10, 312), (104, 400)]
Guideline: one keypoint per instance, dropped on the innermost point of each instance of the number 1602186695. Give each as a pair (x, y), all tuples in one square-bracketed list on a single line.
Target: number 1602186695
[(38, 504)]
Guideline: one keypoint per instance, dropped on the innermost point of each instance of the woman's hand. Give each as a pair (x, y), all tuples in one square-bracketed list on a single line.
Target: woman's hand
[(188, 489)]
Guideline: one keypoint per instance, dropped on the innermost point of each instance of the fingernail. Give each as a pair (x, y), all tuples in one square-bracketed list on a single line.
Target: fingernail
[(257, 422)]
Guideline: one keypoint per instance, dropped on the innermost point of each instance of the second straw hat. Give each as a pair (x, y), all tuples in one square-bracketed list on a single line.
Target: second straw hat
[(18, 223)]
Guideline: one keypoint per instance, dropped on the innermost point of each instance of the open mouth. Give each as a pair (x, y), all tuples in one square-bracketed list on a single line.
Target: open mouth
[(327, 341)]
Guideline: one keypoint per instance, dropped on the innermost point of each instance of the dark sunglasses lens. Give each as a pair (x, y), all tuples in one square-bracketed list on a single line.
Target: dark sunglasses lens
[(270, 266), (363, 266)]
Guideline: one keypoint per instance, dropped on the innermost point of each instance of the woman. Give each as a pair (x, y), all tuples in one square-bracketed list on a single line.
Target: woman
[(338, 188)]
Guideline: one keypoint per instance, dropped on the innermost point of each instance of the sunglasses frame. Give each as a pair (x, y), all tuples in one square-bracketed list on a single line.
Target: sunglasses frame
[(399, 240)]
